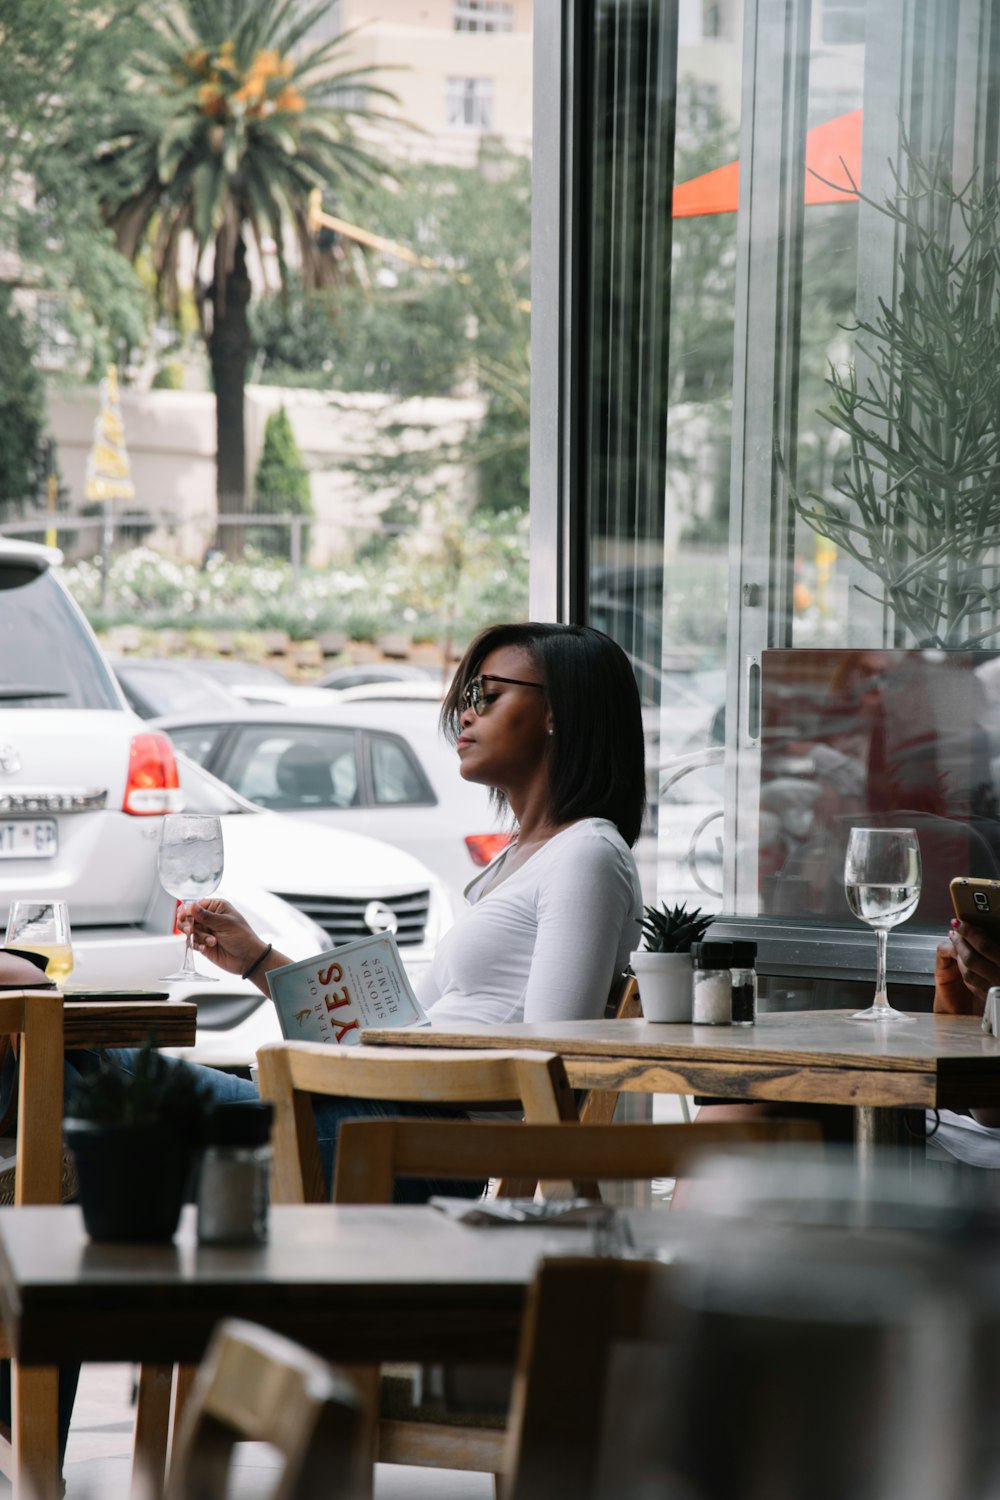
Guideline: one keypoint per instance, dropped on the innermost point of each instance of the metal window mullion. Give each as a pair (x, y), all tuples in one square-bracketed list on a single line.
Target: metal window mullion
[(608, 270), (556, 337), (765, 395)]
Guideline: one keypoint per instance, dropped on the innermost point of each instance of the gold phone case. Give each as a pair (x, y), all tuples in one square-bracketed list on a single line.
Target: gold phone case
[(976, 901)]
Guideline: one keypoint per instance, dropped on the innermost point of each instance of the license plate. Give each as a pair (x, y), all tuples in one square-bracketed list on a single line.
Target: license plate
[(26, 838)]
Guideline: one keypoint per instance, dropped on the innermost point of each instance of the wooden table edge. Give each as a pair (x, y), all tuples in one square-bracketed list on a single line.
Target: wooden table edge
[(174, 1022), (689, 1052)]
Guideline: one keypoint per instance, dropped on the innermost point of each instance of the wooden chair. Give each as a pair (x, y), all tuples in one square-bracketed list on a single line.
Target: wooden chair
[(256, 1386), (597, 1107), (373, 1153), (566, 1371), (34, 1019), (292, 1071), (637, 1379), (289, 1072)]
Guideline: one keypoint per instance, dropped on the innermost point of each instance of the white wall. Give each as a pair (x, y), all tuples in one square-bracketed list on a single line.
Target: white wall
[(170, 439)]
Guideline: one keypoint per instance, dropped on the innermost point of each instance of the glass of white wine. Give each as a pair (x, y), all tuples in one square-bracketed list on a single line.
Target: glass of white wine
[(43, 927), (190, 865), (882, 884)]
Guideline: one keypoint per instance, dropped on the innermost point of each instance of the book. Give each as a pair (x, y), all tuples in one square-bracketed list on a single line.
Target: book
[(334, 995)]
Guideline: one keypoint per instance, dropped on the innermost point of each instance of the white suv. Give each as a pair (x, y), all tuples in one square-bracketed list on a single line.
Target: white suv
[(83, 782)]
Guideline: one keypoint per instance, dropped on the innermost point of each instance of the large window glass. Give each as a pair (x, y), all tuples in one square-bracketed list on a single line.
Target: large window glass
[(863, 615), (812, 383)]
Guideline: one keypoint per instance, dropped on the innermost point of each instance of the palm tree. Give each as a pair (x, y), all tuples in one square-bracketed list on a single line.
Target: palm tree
[(234, 118)]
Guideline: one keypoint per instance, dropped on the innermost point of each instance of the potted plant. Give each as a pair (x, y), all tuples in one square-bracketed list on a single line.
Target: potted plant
[(663, 965), (134, 1136)]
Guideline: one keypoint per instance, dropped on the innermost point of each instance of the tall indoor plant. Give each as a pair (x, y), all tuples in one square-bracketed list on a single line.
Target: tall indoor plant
[(916, 502)]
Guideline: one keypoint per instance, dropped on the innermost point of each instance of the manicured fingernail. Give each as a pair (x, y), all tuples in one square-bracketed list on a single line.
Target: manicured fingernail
[(954, 921)]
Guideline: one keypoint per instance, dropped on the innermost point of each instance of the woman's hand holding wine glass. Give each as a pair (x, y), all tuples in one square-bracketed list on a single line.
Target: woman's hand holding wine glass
[(882, 884), (190, 864)]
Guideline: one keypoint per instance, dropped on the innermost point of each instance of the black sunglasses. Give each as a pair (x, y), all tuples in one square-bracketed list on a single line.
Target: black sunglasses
[(474, 696)]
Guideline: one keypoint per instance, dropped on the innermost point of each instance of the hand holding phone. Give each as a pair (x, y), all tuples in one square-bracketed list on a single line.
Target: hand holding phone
[(977, 902)]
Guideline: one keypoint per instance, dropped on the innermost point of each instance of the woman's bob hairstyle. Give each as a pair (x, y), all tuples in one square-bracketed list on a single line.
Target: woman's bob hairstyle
[(597, 763)]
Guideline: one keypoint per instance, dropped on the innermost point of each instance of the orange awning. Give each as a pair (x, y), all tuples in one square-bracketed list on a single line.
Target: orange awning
[(833, 154)]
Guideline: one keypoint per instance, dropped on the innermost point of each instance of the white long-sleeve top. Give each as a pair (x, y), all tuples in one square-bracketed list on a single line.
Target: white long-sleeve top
[(544, 942)]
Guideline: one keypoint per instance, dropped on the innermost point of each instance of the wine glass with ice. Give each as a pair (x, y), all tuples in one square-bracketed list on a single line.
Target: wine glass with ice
[(882, 883), (190, 865)]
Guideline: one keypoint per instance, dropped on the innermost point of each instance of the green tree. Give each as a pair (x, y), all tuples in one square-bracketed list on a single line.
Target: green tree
[(361, 338), (22, 409), (234, 118), (61, 69), (282, 486), (456, 322)]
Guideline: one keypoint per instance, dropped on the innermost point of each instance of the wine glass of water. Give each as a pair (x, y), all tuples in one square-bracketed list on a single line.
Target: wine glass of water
[(882, 883), (43, 927), (190, 864)]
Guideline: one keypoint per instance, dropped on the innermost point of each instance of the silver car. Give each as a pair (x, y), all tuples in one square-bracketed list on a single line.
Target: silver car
[(379, 768)]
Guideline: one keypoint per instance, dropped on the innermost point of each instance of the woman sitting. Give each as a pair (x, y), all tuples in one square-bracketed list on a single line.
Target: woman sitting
[(548, 717), (967, 966)]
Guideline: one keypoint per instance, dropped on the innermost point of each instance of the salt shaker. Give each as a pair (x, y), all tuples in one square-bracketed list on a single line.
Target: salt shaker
[(991, 1015), (233, 1180), (744, 977), (712, 997)]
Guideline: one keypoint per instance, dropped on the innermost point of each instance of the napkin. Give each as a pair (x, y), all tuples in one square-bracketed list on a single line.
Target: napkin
[(485, 1211)]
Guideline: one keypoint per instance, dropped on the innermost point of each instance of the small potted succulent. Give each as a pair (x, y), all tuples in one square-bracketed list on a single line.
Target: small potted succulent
[(663, 965), (135, 1136)]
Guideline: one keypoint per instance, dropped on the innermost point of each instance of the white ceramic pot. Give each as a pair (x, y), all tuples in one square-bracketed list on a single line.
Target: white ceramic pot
[(665, 984)]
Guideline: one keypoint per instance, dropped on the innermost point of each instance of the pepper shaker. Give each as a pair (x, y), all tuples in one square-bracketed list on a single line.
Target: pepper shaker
[(744, 977), (233, 1180)]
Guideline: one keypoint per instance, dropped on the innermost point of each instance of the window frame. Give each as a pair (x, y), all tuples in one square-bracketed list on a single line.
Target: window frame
[(372, 737)]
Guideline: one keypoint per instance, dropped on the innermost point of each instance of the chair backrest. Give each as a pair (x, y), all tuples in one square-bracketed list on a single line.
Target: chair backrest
[(623, 1000), (597, 1106), (733, 1374), (256, 1386), (303, 776), (578, 1311), (373, 1153), (291, 1071), (37, 1018)]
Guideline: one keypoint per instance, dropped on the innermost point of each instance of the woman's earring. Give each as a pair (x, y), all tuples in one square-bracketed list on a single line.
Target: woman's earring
[(551, 731)]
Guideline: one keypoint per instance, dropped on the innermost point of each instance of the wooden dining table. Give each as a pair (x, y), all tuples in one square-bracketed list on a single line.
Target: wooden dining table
[(119, 1018), (362, 1283), (359, 1284), (879, 1071)]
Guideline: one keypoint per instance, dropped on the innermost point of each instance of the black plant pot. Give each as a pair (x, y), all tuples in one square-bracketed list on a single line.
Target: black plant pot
[(134, 1179)]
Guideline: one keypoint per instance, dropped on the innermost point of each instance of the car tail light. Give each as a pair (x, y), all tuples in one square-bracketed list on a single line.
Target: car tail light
[(153, 785), (483, 847)]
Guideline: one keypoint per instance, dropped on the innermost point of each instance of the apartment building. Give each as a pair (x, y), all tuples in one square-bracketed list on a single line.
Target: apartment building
[(460, 70)]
